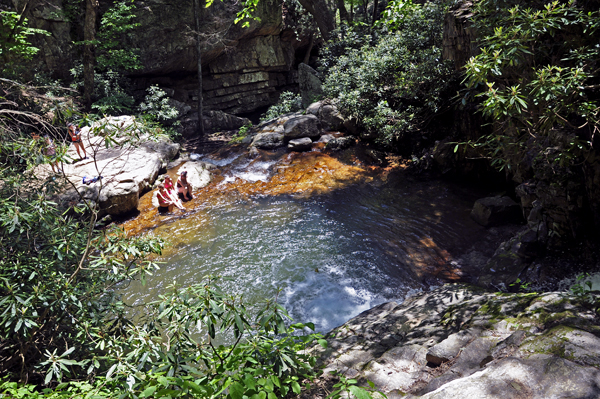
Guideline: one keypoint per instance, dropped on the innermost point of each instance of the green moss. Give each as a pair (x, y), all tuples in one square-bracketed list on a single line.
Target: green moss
[(552, 342)]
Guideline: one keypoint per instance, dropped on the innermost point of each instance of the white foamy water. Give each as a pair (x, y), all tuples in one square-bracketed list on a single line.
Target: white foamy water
[(250, 172), (220, 162)]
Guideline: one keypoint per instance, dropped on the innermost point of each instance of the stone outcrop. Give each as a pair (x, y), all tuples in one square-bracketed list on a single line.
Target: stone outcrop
[(331, 119), (214, 121), (303, 144), (301, 126), (127, 170), (311, 88), (493, 211), (313, 126), (460, 342), (459, 37), (243, 68)]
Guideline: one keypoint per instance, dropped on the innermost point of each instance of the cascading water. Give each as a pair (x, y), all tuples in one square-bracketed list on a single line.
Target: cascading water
[(329, 256)]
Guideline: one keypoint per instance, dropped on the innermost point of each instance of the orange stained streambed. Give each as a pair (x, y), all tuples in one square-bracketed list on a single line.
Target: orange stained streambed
[(300, 174), (333, 233)]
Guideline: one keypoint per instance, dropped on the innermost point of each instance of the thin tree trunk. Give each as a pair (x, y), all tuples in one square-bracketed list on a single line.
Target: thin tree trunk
[(352, 12), (343, 11), (310, 47), (322, 15), (197, 11), (375, 11), (365, 5), (89, 58)]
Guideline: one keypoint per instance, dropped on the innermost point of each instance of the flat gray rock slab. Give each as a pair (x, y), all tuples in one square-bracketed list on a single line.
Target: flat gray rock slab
[(451, 346), (303, 144), (127, 169), (542, 377), (459, 342)]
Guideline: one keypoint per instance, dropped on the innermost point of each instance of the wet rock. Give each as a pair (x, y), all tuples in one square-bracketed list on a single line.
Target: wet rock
[(379, 157), (494, 211), (310, 85), (326, 138), (268, 141), (302, 126), (331, 119), (341, 143), (303, 144)]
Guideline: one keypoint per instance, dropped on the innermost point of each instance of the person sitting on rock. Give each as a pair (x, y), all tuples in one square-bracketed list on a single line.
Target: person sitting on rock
[(167, 199), (184, 187), (169, 183), (75, 134), (164, 202)]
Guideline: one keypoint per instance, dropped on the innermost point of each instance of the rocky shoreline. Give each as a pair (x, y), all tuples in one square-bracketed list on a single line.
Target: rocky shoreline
[(459, 341)]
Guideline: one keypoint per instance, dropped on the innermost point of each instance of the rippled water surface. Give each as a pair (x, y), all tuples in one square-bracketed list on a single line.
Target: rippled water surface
[(331, 256)]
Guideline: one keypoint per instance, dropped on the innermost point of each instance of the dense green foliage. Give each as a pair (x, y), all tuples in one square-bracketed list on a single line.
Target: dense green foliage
[(15, 48), (391, 84), (63, 327), (288, 102), (537, 71)]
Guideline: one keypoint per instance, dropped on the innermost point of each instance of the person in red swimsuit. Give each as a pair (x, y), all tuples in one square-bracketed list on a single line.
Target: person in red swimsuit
[(75, 134), (164, 202)]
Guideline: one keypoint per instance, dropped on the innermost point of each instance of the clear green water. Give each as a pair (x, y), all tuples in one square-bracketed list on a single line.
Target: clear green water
[(332, 256)]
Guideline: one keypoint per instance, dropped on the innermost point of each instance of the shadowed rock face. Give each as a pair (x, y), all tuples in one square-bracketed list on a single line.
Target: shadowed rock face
[(243, 68), (460, 342)]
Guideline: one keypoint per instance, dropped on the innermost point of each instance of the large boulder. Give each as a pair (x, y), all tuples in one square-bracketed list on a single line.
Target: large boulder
[(330, 117), (268, 140), (493, 211), (214, 121), (269, 134), (311, 88), (302, 126), (459, 342), (126, 170), (341, 143)]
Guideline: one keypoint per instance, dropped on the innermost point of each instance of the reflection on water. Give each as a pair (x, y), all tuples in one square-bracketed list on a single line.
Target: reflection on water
[(332, 256)]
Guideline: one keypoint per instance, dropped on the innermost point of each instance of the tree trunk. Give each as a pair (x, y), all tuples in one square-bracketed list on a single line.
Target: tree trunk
[(343, 13), (322, 15), (310, 47), (89, 58), (197, 11), (375, 11)]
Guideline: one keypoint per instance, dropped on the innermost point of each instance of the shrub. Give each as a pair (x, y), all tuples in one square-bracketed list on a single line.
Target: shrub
[(156, 104), (537, 70), (288, 102), (391, 87)]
